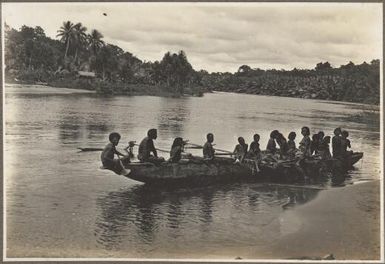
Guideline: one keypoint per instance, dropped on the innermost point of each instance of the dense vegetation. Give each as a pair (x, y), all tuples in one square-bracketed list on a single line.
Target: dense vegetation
[(32, 57), (351, 83)]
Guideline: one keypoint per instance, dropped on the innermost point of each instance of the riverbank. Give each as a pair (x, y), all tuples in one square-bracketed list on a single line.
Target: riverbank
[(344, 222), (109, 89), (42, 89)]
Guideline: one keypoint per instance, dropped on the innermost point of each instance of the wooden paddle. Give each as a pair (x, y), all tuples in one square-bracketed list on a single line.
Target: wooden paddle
[(158, 149), (223, 154), (101, 149), (201, 147), (90, 149)]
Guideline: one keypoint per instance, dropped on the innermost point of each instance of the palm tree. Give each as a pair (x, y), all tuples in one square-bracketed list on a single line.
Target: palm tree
[(80, 37), (66, 34), (95, 41)]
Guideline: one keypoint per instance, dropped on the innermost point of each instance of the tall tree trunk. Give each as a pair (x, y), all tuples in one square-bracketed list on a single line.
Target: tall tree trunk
[(76, 55), (68, 45), (30, 61)]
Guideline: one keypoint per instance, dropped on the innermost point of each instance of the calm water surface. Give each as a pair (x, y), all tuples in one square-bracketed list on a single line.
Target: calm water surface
[(59, 204)]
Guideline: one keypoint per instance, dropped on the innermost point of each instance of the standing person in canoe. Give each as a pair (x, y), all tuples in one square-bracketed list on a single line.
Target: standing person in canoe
[(176, 150), (240, 150), (208, 149), (146, 147), (336, 143), (108, 153)]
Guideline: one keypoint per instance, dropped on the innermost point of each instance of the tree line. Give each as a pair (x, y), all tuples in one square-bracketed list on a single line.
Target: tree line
[(350, 82), (31, 56)]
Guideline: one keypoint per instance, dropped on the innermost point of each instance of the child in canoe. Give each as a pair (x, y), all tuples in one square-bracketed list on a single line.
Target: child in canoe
[(305, 144), (108, 153), (255, 151), (176, 150), (271, 145), (324, 148), (240, 150), (291, 143)]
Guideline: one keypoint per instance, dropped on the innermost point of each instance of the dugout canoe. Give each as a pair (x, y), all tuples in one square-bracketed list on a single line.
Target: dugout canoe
[(198, 171)]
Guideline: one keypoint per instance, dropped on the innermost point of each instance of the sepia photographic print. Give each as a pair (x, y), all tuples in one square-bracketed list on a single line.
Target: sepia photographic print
[(192, 131)]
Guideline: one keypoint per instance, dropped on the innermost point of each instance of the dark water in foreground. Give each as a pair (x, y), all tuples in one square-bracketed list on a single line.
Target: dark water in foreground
[(59, 204)]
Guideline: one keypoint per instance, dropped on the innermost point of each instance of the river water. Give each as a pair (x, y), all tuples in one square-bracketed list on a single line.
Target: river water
[(60, 204)]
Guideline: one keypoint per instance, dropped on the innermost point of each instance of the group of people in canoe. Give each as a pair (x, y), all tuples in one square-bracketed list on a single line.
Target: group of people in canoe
[(317, 145)]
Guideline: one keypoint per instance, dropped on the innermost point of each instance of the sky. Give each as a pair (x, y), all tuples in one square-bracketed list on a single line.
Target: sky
[(220, 37)]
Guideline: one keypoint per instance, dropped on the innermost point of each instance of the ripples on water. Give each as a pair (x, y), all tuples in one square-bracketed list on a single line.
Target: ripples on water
[(236, 214), (58, 202)]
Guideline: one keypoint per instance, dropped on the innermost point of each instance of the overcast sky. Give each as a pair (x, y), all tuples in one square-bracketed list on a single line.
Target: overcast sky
[(220, 36)]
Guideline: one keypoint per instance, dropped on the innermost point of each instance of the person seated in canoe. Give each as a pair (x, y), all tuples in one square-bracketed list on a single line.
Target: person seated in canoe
[(345, 144), (305, 144), (282, 143), (176, 150), (271, 146), (321, 136), (303, 151), (208, 149), (146, 147), (108, 153), (254, 151), (324, 148), (336, 143), (314, 145), (291, 147), (240, 150), (130, 149)]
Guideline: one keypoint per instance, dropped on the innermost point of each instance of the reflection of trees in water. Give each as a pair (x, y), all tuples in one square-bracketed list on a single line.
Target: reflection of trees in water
[(362, 120), (173, 114), (141, 213), (206, 206), (119, 209), (73, 127), (69, 128)]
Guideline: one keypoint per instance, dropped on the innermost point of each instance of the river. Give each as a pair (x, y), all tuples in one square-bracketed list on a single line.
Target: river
[(60, 204)]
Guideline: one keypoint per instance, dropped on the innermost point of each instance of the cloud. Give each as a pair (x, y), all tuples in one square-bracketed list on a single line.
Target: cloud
[(223, 36)]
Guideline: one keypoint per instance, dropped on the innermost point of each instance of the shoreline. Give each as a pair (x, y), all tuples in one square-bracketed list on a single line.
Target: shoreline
[(42, 89), (306, 99), (138, 90), (161, 93)]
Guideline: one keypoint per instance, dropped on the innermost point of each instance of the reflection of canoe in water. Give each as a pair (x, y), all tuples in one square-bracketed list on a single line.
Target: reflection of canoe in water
[(224, 169)]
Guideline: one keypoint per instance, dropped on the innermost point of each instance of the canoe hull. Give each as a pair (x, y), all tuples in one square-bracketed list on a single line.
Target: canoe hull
[(188, 172), (224, 169)]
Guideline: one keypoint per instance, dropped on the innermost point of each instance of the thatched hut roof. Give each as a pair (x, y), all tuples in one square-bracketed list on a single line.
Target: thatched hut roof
[(86, 74)]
